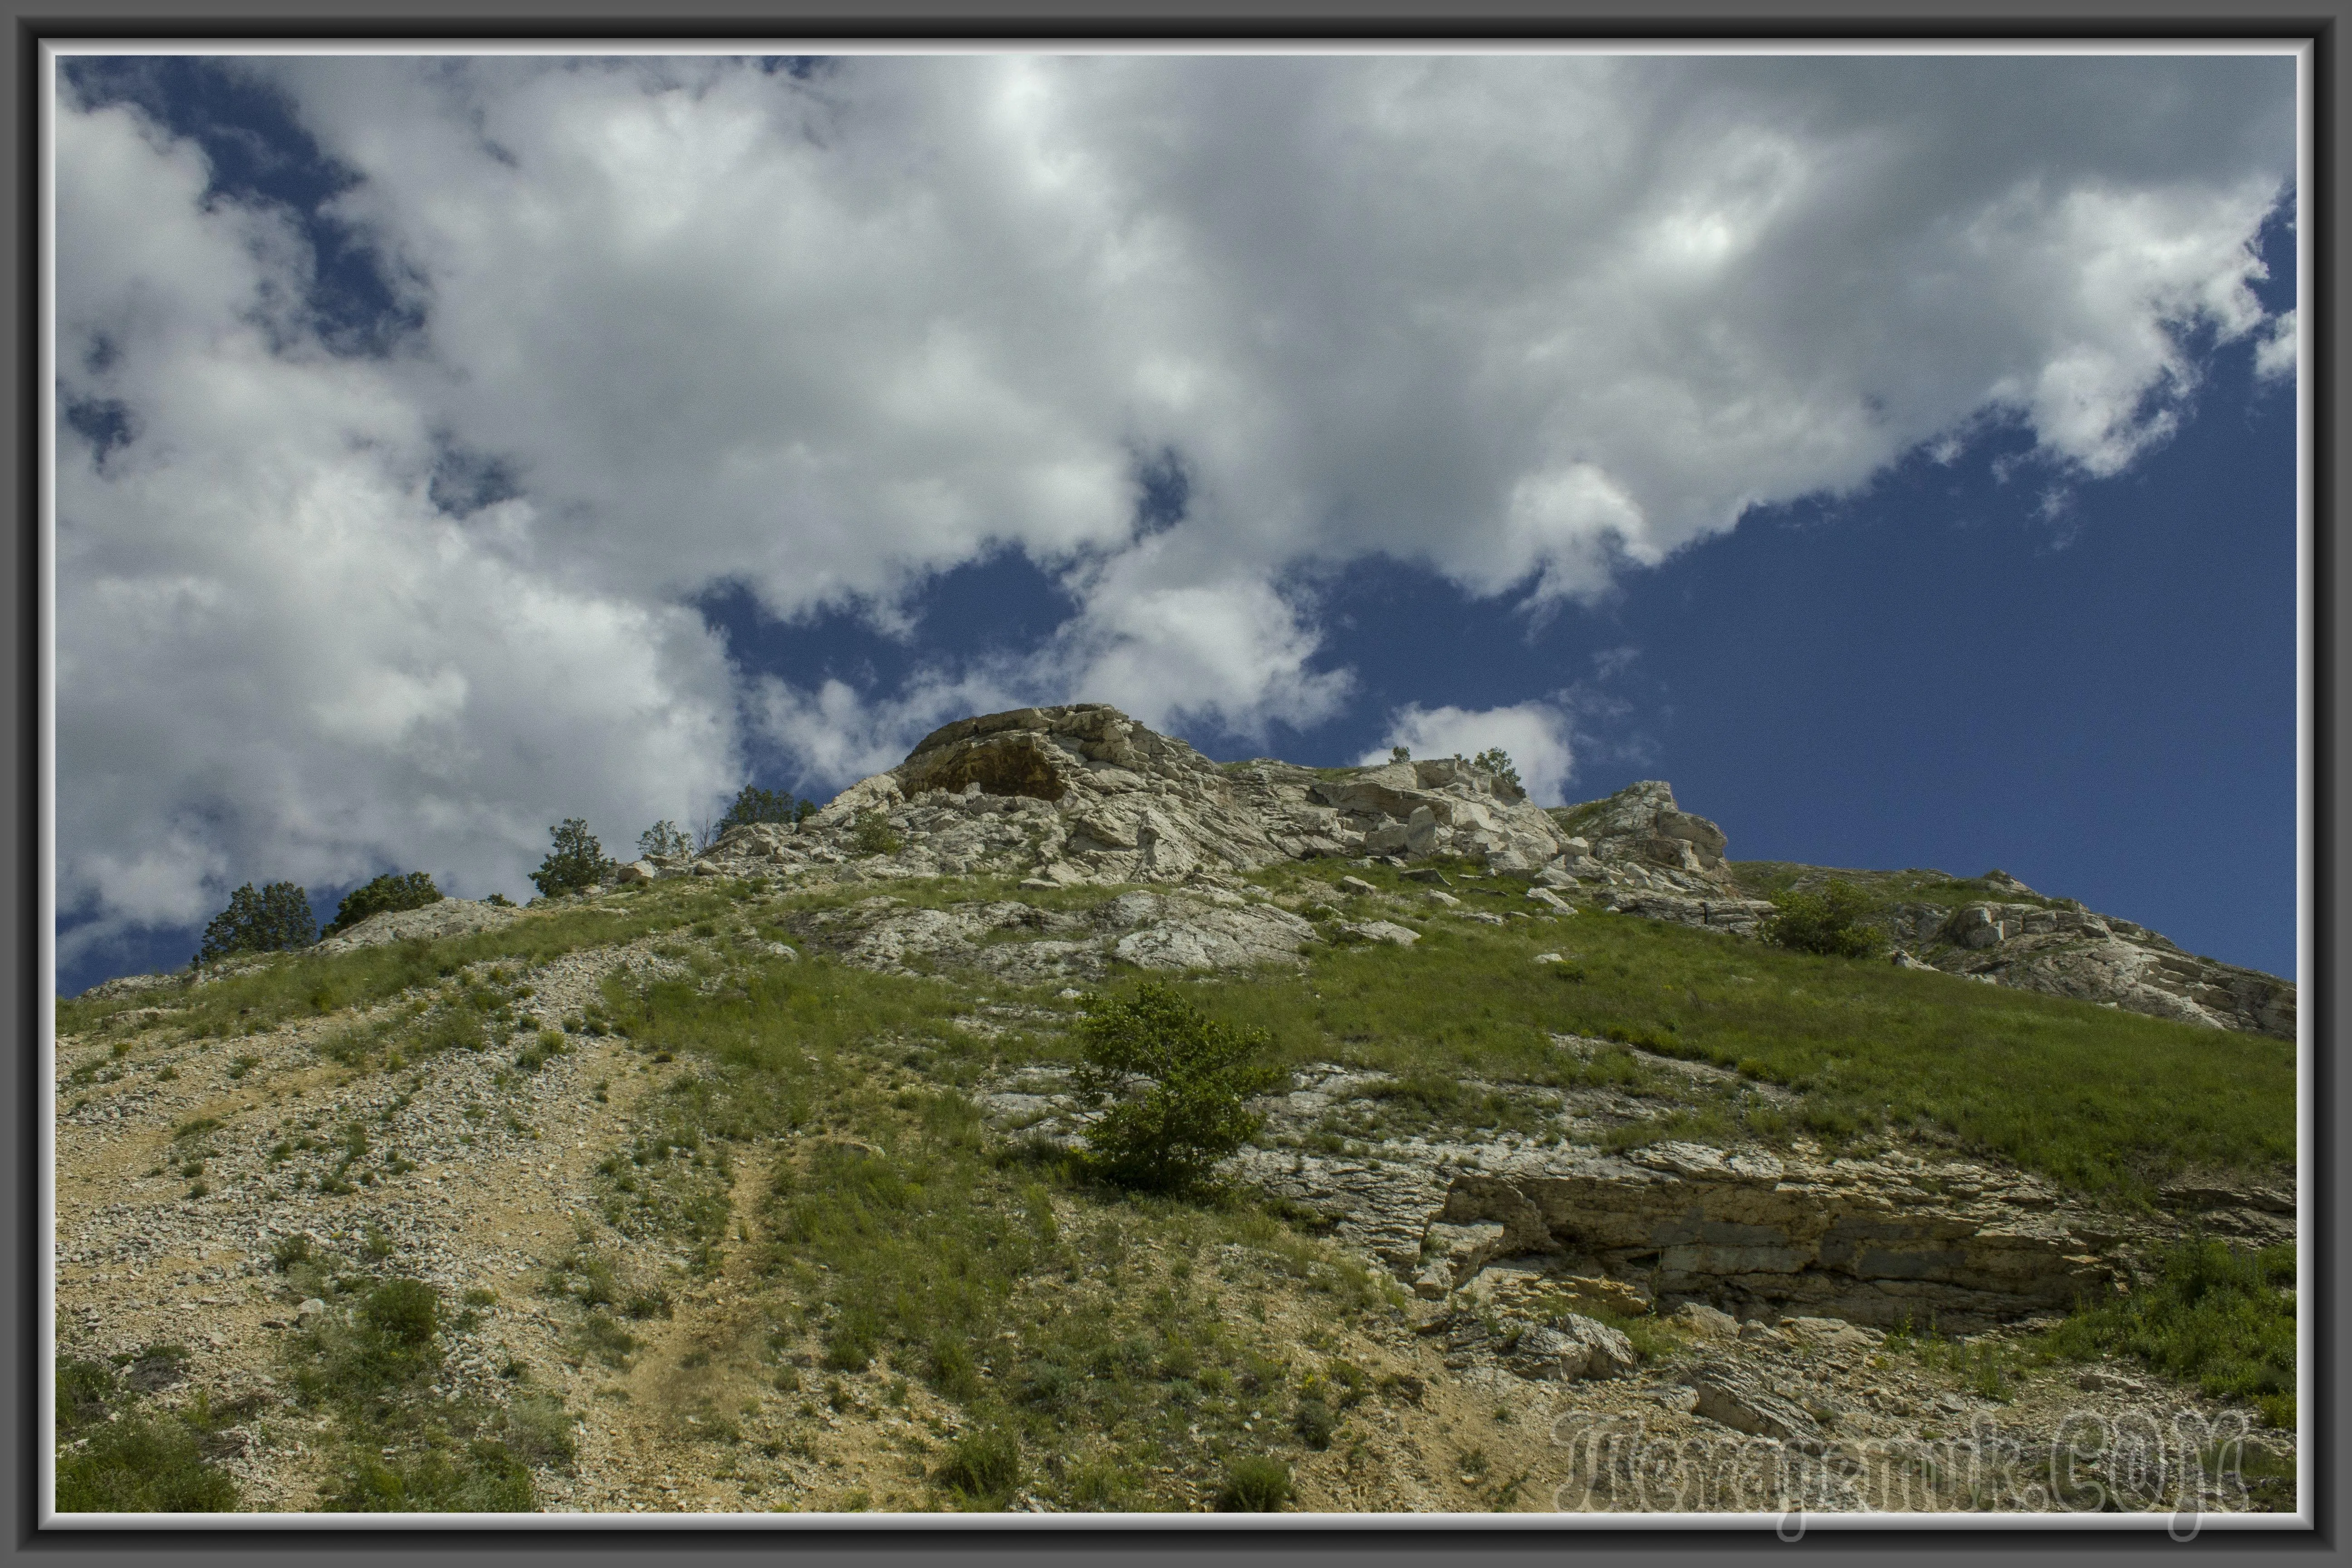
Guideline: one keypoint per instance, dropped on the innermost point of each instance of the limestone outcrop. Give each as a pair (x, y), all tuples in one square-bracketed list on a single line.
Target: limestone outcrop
[(2058, 947), (1083, 794), (1866, 1241)]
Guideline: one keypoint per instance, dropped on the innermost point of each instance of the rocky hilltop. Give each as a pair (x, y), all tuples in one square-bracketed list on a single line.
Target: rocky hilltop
[(739, 1184), (1085, 795)]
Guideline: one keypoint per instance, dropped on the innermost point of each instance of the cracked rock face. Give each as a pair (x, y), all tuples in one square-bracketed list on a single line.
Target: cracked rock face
[(2070, 951), (1852, 1239), (1697, 1231)]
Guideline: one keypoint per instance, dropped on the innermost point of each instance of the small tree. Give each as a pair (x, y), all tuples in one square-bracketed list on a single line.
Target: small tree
[(1497, 762), (1399, 754), (576, 861), (1829, 921), (757, 805), (276, 918), (663, 839), (389, 891), (1175, 1084)]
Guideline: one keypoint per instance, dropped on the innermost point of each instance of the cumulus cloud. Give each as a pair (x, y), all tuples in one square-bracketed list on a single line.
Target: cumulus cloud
[(1517, 318), (1529, 323), (277, 658), (1534, 734)]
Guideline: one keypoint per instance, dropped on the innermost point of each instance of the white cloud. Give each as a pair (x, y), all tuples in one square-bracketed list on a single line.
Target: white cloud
[(1525, 321), (277, 658), (2275, 354), (1534, 734)]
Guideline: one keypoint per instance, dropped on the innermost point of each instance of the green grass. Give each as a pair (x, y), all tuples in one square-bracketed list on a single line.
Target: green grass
[(369, 1363), (307, 985), (2206, 1314), (115, 1455), (2100, 1099), (2201, 1313), (898, 1243), (1762, 879)]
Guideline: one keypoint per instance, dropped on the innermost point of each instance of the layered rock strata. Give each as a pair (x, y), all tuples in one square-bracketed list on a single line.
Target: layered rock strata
[(1857, 1240)]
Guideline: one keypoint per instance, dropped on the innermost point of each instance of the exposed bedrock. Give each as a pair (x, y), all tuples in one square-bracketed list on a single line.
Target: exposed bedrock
[(1854, 1240)]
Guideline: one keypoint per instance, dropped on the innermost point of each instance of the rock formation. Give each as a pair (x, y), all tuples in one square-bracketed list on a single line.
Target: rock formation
[(1083, 795)]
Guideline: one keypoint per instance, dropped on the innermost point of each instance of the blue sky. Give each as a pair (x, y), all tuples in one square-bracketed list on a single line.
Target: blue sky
[(1896, 455)]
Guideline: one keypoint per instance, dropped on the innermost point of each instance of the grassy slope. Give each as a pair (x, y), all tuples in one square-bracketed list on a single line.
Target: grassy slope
[(2103, 1100), (888, 1234)]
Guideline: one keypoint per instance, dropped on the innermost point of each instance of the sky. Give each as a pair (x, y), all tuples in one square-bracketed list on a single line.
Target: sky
[(1897, 455)]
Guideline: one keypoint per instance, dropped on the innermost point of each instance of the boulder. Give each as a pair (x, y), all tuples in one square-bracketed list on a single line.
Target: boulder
[(1613, 1354), (1741, 1400), (1698, 1319)]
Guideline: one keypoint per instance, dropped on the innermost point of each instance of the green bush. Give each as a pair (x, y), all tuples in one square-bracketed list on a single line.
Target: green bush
[(276, 918), (575, 862), (1827, 923), (1254, 1483), (1190, 1112), (413, 890), (403, 1311), (84, 1387), (873, 835)]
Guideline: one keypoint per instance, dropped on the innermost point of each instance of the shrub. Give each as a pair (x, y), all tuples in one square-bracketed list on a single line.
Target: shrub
[(576, 861), (1399, 754), (1254, 1483), (403, 1311), (757, 805), (982, 1467), (873, 835), (501, 899), (1191, 1111), (83, 1389), (1829, 921), (276, 918), (413, 890)]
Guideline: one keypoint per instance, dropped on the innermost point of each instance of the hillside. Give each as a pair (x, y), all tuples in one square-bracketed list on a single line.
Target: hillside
[(755, 1181)]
